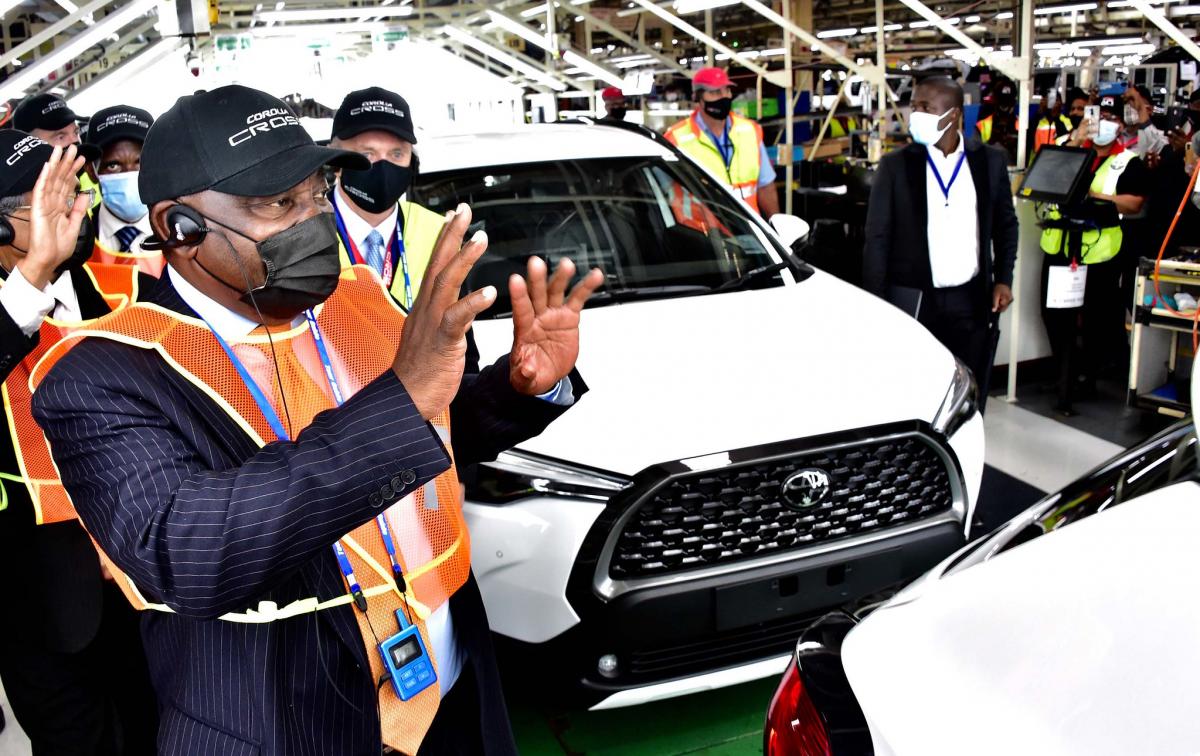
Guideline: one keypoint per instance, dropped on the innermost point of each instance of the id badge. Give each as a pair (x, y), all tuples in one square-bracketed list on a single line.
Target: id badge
[(406, 660), (1066, 286)]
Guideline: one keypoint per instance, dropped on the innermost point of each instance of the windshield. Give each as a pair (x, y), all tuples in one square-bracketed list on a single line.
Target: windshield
[(657, 228)]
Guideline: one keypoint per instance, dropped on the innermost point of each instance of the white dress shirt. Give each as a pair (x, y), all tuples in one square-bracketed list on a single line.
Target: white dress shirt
[(231, 326), (107, 226), (953, 226), (28, 306), (358, 229)]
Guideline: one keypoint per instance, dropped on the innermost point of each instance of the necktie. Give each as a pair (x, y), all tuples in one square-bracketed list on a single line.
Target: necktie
[(126, 235), (375, 251)]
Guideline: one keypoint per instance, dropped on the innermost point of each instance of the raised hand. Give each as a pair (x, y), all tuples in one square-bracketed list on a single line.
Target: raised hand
[(56, 215), (433, 347), (546, 325)]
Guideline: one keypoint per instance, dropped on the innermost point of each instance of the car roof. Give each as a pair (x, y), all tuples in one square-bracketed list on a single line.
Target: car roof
[(533, 144)]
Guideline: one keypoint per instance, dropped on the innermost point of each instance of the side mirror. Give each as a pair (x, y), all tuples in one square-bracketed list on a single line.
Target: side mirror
[(790, 229)]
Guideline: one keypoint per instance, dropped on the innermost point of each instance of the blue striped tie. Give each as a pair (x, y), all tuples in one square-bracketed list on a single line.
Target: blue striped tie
[(126, 235), (375, 251)]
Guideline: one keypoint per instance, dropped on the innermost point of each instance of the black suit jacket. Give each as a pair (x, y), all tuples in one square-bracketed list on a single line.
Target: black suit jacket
[(897, 246), (50, 573), (204, 521)]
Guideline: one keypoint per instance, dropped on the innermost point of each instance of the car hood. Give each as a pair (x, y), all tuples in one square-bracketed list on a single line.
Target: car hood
[(677, 378), (1081, 641)]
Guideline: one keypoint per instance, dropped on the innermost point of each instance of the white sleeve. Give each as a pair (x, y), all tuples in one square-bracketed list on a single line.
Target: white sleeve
[(24, 304)]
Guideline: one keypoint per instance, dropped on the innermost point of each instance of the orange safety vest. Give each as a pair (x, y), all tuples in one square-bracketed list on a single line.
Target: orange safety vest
[(744, 134), (362, 326), (693, 213), (146, 261), (51, 503)]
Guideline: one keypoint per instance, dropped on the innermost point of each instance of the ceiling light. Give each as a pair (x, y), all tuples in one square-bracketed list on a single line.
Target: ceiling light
[(1107, 42), (330, 14), (1056, 9), (831, 33), (886, 28), (72, 48), (1144, 49), (504, 58), (519, 29), (972, 19), (575, 59), (1186, 10), (1004, 16), (1128, 4), (695, 6)]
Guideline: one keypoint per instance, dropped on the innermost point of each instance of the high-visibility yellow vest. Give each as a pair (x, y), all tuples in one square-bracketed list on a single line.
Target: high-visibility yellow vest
[(1103, 244), (984, 126), (421, 229), (89, 184), (746, 137), (1047, 132), (361, 328)]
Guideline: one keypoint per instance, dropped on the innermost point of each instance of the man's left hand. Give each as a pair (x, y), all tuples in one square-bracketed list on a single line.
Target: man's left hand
[(546, 325), (1002, 297)]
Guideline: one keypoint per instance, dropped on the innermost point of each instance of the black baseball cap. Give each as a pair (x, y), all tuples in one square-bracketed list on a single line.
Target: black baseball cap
[(45, 111), (374, 108), (233, 139), (116, 123), (1111, 104), (23, 157)]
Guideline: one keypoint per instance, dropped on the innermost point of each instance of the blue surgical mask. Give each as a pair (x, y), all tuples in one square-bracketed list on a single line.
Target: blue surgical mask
[(120, 194)]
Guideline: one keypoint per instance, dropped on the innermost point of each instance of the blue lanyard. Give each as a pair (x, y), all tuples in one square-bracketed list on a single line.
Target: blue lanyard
[(272, 417), (944, 186), (395, 253)]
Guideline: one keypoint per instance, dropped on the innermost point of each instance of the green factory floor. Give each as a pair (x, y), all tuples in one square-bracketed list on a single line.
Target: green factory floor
[(727, 722)]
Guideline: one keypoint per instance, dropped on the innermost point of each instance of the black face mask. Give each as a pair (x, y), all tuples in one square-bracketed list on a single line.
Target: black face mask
[(302, 267), (719, 109), (378, 188), (618, 114), (1075, 121)]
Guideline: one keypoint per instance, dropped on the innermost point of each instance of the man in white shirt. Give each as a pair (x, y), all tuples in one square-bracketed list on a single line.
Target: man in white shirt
[(122, 219), (940, 221), (67, 633)]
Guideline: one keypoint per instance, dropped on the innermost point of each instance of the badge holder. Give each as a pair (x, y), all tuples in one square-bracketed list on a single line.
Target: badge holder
[(406, 660)]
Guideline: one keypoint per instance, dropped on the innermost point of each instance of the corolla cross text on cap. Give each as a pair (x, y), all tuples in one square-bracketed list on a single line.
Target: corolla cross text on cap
[(373, 109), (116, 123), (233, 139), (23, 155)]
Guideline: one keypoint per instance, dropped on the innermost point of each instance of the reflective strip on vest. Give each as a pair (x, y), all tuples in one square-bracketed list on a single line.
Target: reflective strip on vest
[(1099, 245), (742, 173), (147, 261), (422, 227)]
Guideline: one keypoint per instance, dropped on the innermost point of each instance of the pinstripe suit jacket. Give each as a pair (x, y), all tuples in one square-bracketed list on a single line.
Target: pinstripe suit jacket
[(207, 523)]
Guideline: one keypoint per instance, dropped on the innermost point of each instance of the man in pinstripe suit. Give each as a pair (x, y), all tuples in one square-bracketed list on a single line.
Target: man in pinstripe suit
[(206, 522)]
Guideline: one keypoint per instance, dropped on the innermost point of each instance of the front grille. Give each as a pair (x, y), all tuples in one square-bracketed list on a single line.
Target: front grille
[(716, 517)]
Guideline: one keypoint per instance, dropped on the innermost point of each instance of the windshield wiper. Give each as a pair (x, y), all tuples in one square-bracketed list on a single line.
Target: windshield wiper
[(750, 275), (636, 293)]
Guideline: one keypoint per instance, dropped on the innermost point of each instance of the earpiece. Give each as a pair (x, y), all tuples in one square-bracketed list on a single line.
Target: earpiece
[(6, 232), (186, 229)]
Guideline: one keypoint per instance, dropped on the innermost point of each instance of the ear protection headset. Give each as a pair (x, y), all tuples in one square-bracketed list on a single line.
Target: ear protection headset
[(186, 229), (6, 231)]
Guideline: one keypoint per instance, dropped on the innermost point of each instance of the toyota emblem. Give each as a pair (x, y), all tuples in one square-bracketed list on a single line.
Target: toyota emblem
[(806, 488)]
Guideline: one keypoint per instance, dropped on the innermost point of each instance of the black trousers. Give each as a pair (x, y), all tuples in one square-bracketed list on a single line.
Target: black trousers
[(958, 318), (1083, 340), (456, 728), (97, 701)]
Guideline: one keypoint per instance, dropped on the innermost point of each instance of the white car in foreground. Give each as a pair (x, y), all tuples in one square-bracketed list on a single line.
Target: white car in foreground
[(760, 441), (1069, 631)]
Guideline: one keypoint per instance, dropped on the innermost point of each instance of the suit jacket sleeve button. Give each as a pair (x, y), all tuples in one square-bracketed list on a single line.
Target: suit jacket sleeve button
[(397, 484), (374, 500), (408, 477)]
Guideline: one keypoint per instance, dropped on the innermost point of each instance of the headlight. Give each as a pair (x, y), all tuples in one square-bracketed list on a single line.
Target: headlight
[(517, 475), (961, 402)]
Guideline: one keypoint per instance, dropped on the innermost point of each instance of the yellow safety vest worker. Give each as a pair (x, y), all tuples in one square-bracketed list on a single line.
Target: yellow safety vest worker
[(361, 327), (421, 229), (50, 501), (1103, 244), (985, 128), (746, 137), (89, 184), (1047, 132)]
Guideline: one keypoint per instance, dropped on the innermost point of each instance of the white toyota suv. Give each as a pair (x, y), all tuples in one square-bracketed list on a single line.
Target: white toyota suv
[(761, 441)]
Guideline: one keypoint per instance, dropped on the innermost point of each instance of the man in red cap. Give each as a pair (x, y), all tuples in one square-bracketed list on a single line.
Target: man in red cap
[(614, 104), (728, 145)]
